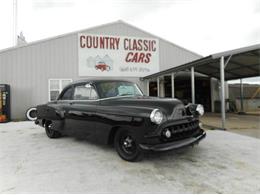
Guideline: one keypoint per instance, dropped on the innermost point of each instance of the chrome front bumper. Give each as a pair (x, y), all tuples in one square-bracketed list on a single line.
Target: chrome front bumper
[(174, 144)]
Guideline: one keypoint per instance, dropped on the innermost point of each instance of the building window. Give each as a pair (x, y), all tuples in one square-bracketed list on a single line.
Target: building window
[(56, 86)]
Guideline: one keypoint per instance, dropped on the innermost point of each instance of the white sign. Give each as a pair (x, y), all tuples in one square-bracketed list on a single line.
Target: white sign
[(103, 55)]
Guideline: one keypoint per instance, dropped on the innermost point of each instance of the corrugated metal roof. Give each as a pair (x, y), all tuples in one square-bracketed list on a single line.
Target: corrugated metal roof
[(244, 63)]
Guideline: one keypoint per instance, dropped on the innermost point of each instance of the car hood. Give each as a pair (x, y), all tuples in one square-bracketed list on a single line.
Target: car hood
[(171, 107)]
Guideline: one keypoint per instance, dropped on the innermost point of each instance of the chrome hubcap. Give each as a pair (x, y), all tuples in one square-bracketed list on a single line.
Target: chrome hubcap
[(128, 142)]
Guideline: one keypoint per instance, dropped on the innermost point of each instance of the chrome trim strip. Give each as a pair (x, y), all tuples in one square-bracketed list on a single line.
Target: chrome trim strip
[(115, 97)]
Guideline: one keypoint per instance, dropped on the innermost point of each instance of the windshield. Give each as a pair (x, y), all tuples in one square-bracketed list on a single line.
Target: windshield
[(118, 88)]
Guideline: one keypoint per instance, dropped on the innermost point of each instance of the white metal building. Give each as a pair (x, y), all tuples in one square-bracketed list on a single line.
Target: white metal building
[(38, 71)]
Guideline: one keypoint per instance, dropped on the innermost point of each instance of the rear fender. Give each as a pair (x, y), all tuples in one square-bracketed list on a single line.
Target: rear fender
[(51, 113)]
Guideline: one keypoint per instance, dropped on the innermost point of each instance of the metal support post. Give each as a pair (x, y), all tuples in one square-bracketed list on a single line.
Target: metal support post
[(241, 98), (148, 87), (222, 84), (172, 79), (158, 86), (192, 85)]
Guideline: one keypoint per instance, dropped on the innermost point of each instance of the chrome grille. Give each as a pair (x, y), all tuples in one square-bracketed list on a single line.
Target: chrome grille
[(184, 127), (182, 131)]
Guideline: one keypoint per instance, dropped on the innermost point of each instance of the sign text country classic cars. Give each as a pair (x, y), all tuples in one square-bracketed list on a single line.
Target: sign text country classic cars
[(108, 55)]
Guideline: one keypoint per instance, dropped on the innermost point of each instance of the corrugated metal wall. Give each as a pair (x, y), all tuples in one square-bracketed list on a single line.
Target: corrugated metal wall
[(28, 68)]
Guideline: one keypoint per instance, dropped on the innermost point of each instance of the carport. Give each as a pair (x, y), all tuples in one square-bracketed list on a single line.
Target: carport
[(229, 65)]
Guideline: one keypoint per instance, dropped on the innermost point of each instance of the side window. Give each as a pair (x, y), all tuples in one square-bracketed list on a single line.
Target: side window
[(67, 95), (85, 92)]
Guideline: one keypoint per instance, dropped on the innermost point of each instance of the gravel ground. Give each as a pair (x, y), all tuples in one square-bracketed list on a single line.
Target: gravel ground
[(32, 163)]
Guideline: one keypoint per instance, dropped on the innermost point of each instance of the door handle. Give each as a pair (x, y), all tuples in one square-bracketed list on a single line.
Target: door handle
[(70, 103)]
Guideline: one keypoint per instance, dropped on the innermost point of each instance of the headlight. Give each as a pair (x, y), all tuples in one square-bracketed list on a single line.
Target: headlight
[(200, 109), (156, 116)]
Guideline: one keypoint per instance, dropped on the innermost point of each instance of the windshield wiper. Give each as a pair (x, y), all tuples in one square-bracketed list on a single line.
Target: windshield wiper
[(125, 94)]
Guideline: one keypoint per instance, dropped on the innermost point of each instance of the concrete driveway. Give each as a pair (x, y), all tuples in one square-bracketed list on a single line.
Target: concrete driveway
[(248, 124), (32, 163)]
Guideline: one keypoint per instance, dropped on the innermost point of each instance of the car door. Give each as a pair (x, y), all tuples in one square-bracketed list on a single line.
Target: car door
[(82, 111), (63, 107)]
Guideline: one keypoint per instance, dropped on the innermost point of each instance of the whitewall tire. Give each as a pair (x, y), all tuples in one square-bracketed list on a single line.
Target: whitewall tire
[(31, 114)]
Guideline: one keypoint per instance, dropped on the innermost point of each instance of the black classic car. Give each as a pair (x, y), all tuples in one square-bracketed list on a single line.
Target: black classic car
[(116, 112)]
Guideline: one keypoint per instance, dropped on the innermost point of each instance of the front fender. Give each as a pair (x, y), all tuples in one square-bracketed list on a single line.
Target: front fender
[(130, 111)]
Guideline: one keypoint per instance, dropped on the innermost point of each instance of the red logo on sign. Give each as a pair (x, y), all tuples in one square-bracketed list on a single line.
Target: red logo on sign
[(102, 66)]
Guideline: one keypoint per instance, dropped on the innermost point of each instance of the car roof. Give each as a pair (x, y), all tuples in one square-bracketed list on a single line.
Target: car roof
[(96, 81)]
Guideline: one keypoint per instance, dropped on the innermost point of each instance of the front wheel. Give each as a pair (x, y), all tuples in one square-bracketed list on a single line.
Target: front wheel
[(127, 147), (50, 132)]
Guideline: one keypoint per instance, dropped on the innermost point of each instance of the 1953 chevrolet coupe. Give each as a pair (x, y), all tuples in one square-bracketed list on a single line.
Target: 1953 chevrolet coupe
[(116, 112)]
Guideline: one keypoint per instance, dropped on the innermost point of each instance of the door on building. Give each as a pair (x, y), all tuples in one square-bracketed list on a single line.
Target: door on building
[(203, 94), (153, 88)]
